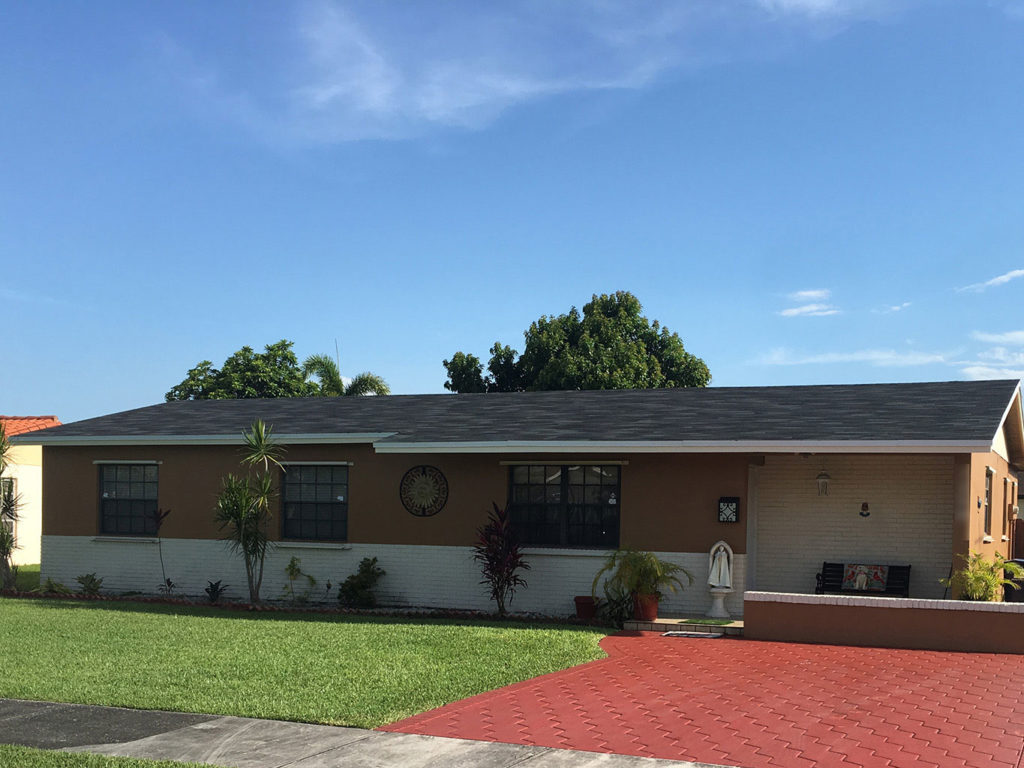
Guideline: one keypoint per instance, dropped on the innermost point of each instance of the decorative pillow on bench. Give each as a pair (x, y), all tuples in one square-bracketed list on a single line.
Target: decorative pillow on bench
[(865, 578)]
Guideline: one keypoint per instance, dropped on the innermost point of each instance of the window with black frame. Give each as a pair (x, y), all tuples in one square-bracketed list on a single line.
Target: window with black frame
[(9, 491), (128, 499), (315, 502), (988, 501), (569, 505)]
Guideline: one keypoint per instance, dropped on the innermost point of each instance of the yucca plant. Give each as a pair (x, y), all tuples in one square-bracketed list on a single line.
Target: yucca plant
[(982, 579), (244, 505)]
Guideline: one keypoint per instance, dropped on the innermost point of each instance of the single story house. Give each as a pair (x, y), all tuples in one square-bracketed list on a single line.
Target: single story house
[(25, 475), (789, 477)]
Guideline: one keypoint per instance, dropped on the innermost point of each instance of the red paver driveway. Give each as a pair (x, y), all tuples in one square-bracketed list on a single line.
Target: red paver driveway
[(758, 704)]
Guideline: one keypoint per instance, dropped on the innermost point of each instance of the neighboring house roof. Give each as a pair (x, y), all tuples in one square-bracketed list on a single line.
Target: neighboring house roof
[(19, 425), (951, 416)]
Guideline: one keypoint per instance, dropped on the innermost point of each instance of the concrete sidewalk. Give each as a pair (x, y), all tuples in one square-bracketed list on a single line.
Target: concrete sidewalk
[(238, 742)]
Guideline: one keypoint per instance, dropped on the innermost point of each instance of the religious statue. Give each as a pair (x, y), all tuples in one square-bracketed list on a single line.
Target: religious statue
[(719, 579), (720, 566)]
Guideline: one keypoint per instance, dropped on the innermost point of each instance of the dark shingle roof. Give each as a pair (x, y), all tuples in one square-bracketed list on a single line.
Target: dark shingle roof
[(934, 411)]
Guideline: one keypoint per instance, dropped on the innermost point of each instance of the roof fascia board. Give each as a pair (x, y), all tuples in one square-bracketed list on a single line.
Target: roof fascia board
[(688, 446), (298, 439), (1006, 411), (1015, 399)]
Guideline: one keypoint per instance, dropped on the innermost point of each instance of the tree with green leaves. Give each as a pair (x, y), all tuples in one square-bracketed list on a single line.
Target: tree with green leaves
[(611, 345), (275, 372), (8, 516), (245, 504), (328, 378)]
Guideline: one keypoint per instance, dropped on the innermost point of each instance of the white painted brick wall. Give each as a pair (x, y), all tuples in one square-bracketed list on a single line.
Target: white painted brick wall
[(417, 575), (910, 499)]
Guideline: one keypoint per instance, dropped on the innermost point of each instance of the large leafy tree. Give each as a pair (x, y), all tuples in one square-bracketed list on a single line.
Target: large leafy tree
[(275, 372), (328, 375), (611, 345)]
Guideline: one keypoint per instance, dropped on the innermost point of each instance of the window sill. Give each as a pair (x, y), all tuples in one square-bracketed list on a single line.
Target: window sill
[(564, 552), (336, 545), (1005, 538), (986, 540), (127, 539)]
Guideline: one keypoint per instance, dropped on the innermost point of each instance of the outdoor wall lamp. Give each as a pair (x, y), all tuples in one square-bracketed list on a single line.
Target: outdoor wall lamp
[(823, 480)]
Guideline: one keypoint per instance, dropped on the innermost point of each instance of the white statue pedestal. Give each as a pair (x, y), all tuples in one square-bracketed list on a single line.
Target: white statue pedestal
[(718, 595)]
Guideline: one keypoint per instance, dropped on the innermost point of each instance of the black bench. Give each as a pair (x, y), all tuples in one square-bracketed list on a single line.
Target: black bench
[(834, 579)]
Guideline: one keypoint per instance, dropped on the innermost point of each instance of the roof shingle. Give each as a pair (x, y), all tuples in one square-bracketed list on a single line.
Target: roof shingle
[(19, 425), (931, 411)]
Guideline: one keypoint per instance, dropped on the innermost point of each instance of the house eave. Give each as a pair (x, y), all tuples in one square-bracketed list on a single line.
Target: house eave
[(686, 446), (384, 443), (296, 439)]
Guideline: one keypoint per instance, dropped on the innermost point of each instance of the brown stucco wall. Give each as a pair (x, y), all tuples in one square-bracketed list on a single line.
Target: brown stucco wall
[(926, 629), (669, 502), (1002, 498)]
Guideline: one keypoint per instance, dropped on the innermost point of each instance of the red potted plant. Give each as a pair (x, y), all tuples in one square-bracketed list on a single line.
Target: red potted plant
[(643, 576)]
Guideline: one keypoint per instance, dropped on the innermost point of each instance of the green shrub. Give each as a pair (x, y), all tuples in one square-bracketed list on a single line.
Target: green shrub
[(983, 580), (90, 585), (295, 573), (357, 590), (215, 590), (51, 587)]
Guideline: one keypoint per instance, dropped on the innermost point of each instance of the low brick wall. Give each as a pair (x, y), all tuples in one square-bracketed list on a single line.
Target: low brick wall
[(939, 625)]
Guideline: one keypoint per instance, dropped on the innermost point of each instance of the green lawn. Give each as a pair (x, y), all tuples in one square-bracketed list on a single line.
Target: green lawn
[(28, 577), (22, 757), (342, 670)]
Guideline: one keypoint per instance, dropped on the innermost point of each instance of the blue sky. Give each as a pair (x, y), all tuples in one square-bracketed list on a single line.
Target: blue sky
[(807, 191)]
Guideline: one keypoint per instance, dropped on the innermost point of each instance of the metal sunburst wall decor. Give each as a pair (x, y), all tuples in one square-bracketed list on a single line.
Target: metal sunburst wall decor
[(424, 491)]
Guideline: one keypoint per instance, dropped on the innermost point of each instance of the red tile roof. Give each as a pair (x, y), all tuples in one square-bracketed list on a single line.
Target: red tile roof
[(19, 425)]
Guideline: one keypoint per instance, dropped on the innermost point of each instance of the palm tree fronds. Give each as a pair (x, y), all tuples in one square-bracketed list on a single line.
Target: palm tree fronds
[(367, 384)]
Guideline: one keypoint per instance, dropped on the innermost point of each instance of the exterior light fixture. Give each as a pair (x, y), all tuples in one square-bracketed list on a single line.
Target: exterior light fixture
[(823, 480)]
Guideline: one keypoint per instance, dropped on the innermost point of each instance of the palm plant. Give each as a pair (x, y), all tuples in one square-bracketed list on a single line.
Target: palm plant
[(640, 575), (244, 505), (326, 370), (981, 579), (8, 516)]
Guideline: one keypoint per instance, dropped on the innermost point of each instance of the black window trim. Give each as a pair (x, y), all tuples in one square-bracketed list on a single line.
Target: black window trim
[(12, 525), (564, 466), (281, 492), (990, 480), (100, 465)]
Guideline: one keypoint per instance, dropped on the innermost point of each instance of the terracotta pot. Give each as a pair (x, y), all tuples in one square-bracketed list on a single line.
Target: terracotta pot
[(586, 607), (645, 607)]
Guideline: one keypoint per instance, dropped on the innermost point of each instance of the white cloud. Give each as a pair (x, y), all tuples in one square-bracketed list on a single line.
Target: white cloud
[(819, 294), (29, 297), (810, 310), (874, 357), (1002, 355), (1013, 274), (812, 7), (1009, 337), (987, 372), (347, 72), (1014, 9)]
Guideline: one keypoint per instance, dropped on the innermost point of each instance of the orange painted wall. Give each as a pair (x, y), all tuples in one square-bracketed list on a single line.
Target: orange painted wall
[(669, 502), (1002, 498)]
